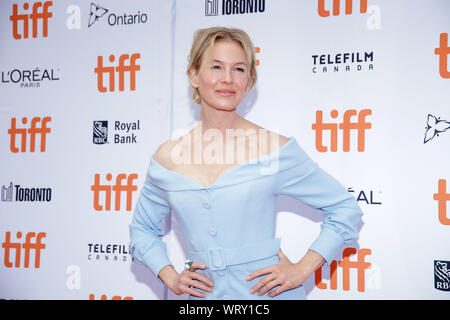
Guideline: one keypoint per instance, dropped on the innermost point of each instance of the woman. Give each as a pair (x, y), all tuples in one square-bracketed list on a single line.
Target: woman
[(226, 207)]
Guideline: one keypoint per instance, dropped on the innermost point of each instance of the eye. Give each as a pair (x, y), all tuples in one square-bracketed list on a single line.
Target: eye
[(215, 67), (240, 69)]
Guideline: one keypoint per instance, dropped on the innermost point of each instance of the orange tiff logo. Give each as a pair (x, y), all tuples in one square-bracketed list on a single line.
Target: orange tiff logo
[(346, 126), (103, 297), (336, 7), (44, 15), (130, 67), (360, 265), (118, 188), (27, 246), (32, 131), (443, 51), (442, 197)]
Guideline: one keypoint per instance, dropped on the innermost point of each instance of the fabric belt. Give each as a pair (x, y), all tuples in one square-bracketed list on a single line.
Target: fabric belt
[(219, 258)]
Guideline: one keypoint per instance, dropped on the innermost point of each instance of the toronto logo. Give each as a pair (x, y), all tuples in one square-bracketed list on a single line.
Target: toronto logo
[(434, 127)]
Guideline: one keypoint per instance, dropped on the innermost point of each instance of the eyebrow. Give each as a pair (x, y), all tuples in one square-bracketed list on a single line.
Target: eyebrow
[(240, 62)]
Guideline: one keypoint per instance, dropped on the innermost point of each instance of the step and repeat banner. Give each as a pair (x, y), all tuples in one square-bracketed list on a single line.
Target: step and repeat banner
[(90, 89)]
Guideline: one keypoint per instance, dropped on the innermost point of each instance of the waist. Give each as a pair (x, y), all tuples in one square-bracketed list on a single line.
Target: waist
[(218, 258)]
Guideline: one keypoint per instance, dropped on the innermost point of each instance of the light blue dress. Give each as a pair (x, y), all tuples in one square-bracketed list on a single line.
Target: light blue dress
[(229, 225)]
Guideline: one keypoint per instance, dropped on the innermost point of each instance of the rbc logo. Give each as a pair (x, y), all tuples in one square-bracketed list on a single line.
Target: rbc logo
[(442, 275), (100, 132)]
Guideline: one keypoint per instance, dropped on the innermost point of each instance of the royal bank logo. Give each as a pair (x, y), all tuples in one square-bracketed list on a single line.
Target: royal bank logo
[(122, 132), (100, 132), (96, 12), (229, 7), (434, 127), (442, 275)]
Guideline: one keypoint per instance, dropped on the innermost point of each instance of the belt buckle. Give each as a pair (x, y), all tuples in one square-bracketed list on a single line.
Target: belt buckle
[(217, 259)]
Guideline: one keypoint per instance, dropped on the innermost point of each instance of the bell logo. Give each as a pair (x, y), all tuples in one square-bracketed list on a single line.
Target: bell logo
[(29, 245), (442, 197), (336, 7), (34, 16), (443, 51), (131, 67), (32, 132), (346, 265), (346, 126), (118, 188)]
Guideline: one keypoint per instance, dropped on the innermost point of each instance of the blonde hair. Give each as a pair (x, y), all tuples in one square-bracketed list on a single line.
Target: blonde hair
[(205, 38)]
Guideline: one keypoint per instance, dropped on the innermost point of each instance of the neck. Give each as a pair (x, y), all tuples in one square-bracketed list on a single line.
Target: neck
[(220, 120)]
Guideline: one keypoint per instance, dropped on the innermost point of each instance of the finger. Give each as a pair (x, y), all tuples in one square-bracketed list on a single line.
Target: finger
[(202, 278), (262, 283), (193, 292), (269, 286), (260, 272), (198, 265), (199, 285), (277, 291)]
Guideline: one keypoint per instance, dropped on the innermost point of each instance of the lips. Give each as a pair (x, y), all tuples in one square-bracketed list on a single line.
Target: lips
[(226, 93)]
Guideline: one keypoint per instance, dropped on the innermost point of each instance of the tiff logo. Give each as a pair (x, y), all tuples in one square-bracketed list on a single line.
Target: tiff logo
[(44, 15), (32, 132), (442, 197), (336, 7), (28, 245), (131, 68), (360, 265), (346, 126), (118, 188), (443, 51)]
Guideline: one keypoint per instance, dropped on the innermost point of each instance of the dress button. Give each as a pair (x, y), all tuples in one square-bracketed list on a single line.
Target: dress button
[(225, 297), (212, 231), (221, 272), (206, 204)]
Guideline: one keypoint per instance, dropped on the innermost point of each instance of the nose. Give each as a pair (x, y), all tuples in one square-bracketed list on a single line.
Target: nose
[(227, 76)]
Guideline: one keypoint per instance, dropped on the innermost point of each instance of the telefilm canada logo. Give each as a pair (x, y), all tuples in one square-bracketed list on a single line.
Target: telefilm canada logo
[(122, 132), (18, 193), (97, 12), (342, 62), (442, 275), (29, 78), (229, 7), (108, 252)]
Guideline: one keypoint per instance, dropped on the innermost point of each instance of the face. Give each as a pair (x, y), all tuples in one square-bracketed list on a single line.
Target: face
[(222, 82)]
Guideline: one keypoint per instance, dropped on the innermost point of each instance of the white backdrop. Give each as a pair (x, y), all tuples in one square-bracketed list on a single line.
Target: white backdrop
[(394, 77)]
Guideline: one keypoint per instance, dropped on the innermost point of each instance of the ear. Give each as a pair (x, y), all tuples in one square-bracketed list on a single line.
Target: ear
[(193, 78)]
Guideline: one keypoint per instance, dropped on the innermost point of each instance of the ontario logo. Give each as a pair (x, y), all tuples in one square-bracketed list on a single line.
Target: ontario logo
[(96, 12), (434, 127)]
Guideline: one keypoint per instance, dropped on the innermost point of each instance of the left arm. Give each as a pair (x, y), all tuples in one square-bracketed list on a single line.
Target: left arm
[(307, 182)]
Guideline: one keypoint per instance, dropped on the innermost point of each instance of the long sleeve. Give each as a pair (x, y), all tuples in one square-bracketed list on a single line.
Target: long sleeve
[(147, 246), (307, 182)]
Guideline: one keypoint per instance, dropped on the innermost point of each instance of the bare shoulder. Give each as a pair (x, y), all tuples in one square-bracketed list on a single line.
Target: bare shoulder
[(163, 153)]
